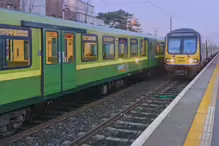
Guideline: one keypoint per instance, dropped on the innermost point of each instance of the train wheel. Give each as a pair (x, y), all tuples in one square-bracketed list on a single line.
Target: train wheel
[(170, 74), (10, 122), (104, 89), (149, 74)]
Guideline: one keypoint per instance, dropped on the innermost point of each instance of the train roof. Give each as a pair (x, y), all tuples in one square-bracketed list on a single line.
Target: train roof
[(183, 30), (17, 15)]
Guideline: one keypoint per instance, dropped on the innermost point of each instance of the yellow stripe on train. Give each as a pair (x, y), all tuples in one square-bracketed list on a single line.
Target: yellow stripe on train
[(99, 64), (19, 75), (159, 56), (26, 74)]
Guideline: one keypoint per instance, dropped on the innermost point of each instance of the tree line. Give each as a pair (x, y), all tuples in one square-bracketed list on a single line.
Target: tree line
[(121, 19)]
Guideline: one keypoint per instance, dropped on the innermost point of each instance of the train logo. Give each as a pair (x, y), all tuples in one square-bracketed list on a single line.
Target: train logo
[(123, 68)]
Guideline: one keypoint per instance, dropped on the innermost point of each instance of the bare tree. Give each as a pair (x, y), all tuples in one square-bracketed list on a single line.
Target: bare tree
[(9, 4), (87, 10), (31, 6), (27, 5)]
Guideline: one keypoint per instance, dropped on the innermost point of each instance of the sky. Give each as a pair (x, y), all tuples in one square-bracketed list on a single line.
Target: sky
[(201, 15)]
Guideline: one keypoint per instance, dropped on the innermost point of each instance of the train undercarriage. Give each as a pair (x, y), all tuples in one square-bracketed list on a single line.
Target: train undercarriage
[(183, 70), (11, 121)]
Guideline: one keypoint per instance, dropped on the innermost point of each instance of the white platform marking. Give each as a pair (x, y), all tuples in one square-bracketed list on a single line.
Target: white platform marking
[(150, 129), (123, 130), (119, 139), (131, 123), (209, 122)]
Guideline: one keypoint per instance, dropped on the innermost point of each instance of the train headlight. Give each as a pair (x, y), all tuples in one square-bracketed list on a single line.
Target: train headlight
[(190, 60), (193, 60), (170, 60)]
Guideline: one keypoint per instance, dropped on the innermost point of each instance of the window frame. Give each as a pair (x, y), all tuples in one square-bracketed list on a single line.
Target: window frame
[(152, 47), (58, 48), (127, 47), (168, 43), (82, 46), (159, 52), (114, 42), (74, 46), (196, 49), (131, 46), (144, 41), (28, 38), (163, 48), (182, 44)]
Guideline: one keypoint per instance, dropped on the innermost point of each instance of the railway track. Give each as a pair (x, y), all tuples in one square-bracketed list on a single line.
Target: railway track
[(123, 128), (61, 114)]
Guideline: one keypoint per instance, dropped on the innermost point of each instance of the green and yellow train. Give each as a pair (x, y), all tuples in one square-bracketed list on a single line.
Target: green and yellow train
[(42, 58)]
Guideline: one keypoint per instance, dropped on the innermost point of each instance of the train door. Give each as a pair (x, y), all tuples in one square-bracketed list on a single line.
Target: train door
[(146, 49), (59, 67), (151, 52), (51, 65), (2, 52), (68, 60)]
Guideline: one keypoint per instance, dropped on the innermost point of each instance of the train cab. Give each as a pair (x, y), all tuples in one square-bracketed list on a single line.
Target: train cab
[(183, 52)]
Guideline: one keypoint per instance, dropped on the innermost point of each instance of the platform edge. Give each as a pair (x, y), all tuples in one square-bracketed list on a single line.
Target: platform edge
[(150, 129)]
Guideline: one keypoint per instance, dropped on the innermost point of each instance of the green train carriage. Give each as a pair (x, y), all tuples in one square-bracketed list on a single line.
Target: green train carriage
[(43, 58)]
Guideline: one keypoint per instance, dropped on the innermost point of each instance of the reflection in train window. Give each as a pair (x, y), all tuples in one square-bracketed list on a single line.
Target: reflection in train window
[(51, 48), (69, 48), (123, 48), (108, 47), (89, 51), (133, 47), (16, 53)]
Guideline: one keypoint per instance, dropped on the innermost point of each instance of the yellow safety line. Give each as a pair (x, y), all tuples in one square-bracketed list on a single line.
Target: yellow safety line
[(196, 130)]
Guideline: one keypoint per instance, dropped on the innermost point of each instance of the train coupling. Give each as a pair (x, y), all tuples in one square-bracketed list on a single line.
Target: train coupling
[(181, 72)]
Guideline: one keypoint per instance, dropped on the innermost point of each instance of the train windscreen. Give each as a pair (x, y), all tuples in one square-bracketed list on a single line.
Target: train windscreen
[(189, 45), (174, 45), (182, 45)]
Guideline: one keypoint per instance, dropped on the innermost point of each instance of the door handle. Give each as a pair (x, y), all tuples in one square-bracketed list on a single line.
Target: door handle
[(59, 57), (63, 57)]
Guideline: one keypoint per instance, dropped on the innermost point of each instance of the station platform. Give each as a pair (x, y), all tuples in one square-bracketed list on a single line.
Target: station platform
[(192, 119)]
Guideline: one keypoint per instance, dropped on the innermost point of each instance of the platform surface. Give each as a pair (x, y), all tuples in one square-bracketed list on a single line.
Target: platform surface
[(192, 119)]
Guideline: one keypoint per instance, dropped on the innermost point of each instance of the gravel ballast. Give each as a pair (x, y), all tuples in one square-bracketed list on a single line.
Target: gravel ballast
[(66, 131)]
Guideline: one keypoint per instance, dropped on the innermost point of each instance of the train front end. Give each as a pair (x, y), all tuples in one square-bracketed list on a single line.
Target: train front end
[(183, 52)]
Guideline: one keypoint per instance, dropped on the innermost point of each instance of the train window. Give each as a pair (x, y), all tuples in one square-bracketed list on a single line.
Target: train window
[(161, 46), (203, 49), (14, 48), (174, 45), (51, 47), (69, 47), (123, 48), (142, 48), (158, 49), (133, 47), (189, 45), (89, 51), (108, 47), (152, 48)]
